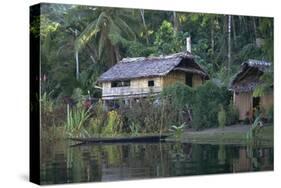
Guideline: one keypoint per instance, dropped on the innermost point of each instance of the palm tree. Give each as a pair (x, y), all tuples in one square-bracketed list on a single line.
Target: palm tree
[(108, 31), (229, 44), (144, 25)]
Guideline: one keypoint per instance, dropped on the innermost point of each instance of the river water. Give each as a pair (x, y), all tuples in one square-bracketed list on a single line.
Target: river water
[(63, 163)]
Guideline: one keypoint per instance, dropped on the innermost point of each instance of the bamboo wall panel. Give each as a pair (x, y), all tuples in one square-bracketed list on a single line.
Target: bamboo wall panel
[(139, 87), (266, 102), (106, 85), (196, 80), (143, 82), (244, 104), (173, 77)]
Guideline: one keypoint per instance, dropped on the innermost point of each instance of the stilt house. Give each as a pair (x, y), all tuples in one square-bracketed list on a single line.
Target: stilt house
[(146, 76)]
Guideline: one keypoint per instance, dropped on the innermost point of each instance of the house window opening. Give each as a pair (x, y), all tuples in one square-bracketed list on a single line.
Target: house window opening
[(121, 83), (151, 83)]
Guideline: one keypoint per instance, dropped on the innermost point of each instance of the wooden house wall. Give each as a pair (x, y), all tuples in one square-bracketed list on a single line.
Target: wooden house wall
[(196, 80), (106, 85), (244, 103), (266, 102), (143, 82), (176, 76), (173, 77), (139, 87)]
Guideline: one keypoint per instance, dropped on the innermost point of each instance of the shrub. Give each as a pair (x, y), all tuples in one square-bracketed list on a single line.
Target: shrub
[(202, 101), (231, 114), (222, 117), (149, 114), (52, 114), (77, 95), (47, 103), (206, 105), (134, 128), (178, 99), (179, 94), (98, 120), (113, 123)]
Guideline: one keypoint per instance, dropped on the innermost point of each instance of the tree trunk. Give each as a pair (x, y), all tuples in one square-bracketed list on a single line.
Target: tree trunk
[(92, 51), (77, 64), (116, 52), (234, 31), (212, 37), (175, 21), (255, 29), (229, 44), (144, 25), (77, 59)]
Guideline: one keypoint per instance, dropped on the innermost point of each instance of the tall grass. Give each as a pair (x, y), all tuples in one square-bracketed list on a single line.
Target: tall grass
[(76, 118), (47, 103)]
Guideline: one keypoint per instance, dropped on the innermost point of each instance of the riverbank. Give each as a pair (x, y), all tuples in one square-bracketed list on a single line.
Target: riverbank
[(235, 134)]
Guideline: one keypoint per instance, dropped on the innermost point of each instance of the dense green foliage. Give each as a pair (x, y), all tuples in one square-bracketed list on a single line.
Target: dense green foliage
[(204, 101), (208, 99), (95, 38), (180, 95), (79, 43)]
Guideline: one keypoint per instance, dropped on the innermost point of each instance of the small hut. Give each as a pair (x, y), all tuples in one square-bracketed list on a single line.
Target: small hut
[(145, 76), (243, 85)]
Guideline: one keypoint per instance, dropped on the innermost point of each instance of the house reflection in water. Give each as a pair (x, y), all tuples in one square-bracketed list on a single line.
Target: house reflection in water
[(108, 162), (253, 160)]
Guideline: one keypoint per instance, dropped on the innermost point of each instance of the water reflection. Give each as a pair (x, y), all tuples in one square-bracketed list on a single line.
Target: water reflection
[(61, 163)]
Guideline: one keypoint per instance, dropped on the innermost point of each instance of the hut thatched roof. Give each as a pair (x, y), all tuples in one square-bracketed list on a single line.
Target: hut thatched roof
[(249, 75), (131, 68)]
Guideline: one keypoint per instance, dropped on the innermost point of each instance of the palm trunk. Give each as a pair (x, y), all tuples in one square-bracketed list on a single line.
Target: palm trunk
[(255, 29), (212, 38), (117, 54), (229, 44), (175, 21), (77, 64), (234, 31), (144, 25), (77, 59)]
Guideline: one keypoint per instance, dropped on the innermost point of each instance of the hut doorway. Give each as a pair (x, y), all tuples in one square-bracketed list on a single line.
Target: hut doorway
[(188, 79), (256, 105)]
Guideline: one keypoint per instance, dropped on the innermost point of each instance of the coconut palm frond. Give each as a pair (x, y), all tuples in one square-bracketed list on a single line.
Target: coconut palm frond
[(126, 28), (114, 33), (91, 30), (101, 44), (265, 86), (86, 35)]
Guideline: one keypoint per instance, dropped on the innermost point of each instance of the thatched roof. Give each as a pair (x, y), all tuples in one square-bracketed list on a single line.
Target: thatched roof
[(131, 68), (249, 75)]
